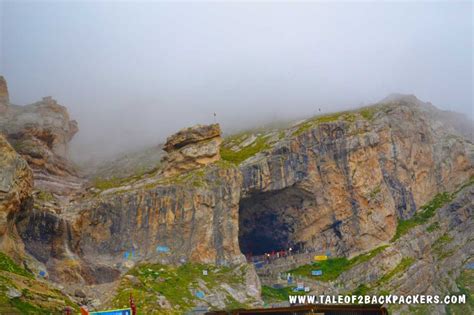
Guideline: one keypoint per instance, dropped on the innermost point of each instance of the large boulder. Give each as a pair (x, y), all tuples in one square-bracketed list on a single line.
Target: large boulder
[(192, 148)]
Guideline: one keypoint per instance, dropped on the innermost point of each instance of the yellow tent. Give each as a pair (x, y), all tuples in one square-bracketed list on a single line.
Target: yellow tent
[(320, 258)]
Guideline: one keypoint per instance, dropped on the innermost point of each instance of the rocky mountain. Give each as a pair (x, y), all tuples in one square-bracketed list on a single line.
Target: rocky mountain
[(386, 189), (354, 173)]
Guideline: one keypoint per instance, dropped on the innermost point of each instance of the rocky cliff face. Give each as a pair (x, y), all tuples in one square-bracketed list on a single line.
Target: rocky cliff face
[(171, 220), (197, 222), (431, 255), (16, 181), (342, 185), (165, 218), (429, 258)]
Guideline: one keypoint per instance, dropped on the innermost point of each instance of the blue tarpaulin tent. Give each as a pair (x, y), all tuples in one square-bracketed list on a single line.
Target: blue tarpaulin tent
[(162, 249)]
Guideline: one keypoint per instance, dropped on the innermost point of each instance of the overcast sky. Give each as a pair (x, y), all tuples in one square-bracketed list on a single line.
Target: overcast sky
[(131, 73)]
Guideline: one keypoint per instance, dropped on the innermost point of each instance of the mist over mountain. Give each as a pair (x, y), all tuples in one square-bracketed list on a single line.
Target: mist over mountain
[(201, 156), (132, 73)]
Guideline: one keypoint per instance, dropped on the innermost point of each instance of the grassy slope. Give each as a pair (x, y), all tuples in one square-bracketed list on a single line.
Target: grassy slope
[(423, 215), (272, 295), (333, 267), (427, 211), (178, 284), (36, 296), (237, 157)]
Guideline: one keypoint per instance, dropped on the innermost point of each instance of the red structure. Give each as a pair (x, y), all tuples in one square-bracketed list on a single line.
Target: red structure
[(132, 305)]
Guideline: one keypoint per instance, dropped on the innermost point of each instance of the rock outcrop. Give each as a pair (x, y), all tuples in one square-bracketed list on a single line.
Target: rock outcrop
[(16, 183), (192, 148), (4, 96), (41, 133)]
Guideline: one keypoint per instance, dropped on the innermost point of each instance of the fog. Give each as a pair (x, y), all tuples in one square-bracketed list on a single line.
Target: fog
[(131, 73)]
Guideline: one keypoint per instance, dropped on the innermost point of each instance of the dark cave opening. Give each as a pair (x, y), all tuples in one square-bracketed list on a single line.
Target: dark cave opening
[(268, 221)]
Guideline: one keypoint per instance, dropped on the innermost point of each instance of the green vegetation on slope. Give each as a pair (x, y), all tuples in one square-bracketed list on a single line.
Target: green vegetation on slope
[(177, 284), (261, 143), (311, 123), (369, 112), (32, 296), (362, 289), (333, 267), (433, 227), (7, 264), (366, 113), (272, 295), (113, 182), (237, 157), (465, 284), (45, 196), (404, 264), (196, 178), (439, 246), (427, 211), (421, 217)]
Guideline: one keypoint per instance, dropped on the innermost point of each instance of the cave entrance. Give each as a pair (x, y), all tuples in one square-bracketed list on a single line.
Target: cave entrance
[(268, 221)]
